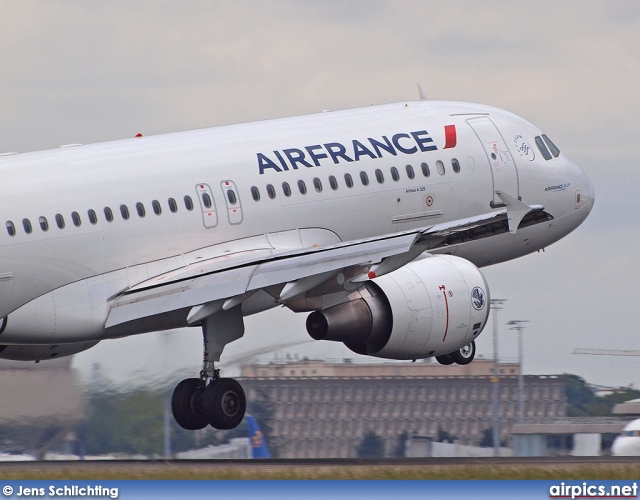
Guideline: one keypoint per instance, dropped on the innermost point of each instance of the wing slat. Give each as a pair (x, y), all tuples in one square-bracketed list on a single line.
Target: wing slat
[(246, 271)]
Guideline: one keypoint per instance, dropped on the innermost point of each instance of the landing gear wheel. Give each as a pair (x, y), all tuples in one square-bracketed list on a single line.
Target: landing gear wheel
[(465, 355), (186, 404), (445, 359), (224, 403)]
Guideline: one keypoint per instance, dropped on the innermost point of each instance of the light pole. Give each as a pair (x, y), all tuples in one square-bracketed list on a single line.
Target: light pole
[(496, 305), (517, 324)]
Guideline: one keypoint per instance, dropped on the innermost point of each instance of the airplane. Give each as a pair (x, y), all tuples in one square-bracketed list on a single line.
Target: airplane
[(373, 220), (627, 444)]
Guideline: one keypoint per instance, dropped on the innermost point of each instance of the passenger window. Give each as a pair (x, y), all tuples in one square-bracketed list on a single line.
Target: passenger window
[(60, 221), (11, 228), (286, 189), (543, 149), (410, 173), (255, 193), (206, 200), (188, 202), (231, 196), (108, 214), (455, 164), (271, 191), (394, 174), (124, 211), (364, 178), (44, 224), (302, 187), (552, 147), (93, 218), (26, 223), (348, 180), (317, 184), (157, 208), (379, 176), (333, 182), (440, 167), (173, 206), (425, 169), (140, 209), (75, 217)]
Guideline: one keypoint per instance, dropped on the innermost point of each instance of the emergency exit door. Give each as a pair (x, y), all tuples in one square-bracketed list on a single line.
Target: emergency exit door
[(502, 165)]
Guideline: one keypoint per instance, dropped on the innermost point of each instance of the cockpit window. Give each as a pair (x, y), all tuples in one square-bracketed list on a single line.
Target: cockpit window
[(543, 149), (552, 147)]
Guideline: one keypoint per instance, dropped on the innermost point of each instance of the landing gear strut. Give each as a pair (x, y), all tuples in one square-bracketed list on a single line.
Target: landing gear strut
[(219, 402)]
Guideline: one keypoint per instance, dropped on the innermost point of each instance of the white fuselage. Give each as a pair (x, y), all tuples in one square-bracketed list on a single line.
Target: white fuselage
[(627, 444), (56, 283)]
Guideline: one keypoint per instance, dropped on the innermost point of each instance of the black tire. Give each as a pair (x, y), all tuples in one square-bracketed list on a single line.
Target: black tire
[(224, 403), (465, 355), (186, 404), (445, 359)]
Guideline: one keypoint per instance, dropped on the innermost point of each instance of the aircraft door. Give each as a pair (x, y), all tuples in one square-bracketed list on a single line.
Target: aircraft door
[(207, 205), (502, 165), (232, 200)]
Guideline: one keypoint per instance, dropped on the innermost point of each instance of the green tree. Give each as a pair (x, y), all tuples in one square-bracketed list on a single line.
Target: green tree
[(579, 396), (582, 402), (134, 423), (124, 423), (371, 446)]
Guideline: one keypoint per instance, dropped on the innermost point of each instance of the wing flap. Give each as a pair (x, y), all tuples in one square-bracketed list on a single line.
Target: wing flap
[(158, 296), (177, 295)]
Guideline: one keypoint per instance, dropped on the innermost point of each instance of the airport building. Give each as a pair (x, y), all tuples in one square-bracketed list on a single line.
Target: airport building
[(41, 405), (325, 409)]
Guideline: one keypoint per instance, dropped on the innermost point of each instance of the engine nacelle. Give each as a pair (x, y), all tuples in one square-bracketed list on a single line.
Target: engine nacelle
[(40, 352), (430, 307)]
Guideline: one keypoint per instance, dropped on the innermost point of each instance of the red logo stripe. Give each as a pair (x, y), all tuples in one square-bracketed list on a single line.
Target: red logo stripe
[(450, 136)]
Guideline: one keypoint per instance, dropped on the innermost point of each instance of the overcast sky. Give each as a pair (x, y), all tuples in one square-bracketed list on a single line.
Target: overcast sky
[(82, 72)]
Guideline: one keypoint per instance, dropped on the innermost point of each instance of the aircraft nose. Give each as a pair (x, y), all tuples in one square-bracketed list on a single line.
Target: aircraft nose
[(584, 191), (588, 191)]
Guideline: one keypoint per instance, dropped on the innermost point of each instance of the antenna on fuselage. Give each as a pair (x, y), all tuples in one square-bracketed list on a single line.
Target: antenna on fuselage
[(423, 96)]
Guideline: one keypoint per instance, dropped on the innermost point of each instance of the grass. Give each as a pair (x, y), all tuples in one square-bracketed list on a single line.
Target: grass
[(343, 472)]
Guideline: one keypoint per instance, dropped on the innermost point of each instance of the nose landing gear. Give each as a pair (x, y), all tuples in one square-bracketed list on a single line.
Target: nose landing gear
[(211, 400)]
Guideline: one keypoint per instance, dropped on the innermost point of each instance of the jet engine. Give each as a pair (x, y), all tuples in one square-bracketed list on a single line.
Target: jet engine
[(430, 307), (40, 352)]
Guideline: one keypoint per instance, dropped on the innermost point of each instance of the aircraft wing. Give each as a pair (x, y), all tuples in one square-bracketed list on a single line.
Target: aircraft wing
[(224, 281)]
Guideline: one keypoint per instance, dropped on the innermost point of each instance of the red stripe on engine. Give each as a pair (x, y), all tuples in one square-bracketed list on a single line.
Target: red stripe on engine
[(446, 303)]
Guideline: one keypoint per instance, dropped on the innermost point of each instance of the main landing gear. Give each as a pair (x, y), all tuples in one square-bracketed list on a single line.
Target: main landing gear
[(221, 404), (462, 356), (211, 400)]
